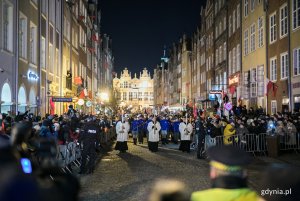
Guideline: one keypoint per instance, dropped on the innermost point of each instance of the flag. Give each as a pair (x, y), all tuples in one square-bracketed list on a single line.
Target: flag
[(81, 17), (94, 38), (91, 49), (232, 89), (275, 87), (269, 86), (52, 106), (81, 95), (195, 111)]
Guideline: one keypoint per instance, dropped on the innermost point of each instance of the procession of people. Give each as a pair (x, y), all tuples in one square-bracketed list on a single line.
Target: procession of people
[(200, 130)]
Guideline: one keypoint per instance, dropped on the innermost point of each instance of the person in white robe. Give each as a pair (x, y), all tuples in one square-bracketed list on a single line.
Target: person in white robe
[(186, 130), (122, 129), (153, 136)]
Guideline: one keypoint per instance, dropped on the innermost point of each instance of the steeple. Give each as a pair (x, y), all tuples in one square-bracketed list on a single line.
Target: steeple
[(164, 57)]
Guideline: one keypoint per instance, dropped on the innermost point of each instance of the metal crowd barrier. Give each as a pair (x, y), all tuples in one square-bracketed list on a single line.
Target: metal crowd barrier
[(69, 153), (289, 141), (252, 143)]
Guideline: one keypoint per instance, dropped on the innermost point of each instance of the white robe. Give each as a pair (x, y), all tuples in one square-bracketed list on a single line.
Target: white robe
[(153, 133), (122, 136), (185, 131)]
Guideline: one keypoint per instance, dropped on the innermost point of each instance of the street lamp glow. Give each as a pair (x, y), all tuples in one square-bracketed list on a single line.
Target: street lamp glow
[(104, 96)]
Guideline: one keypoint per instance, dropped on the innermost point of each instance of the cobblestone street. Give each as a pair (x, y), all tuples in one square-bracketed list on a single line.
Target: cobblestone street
[(129, 176)]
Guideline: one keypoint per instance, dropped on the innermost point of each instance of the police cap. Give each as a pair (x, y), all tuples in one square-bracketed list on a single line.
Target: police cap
[(229, 155)]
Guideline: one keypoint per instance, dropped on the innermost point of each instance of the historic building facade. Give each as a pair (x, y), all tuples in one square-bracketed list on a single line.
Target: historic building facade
[(134, 93), (278, 56), (51, 49), (254, 46), (8, 55), (294, 49), (234, 50)]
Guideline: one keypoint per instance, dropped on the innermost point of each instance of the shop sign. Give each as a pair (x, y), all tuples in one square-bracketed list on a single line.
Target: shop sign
[(212, 97), (61, 99), (80, 102), (234, 80), (88, 103), (32, 76), (216, 91)]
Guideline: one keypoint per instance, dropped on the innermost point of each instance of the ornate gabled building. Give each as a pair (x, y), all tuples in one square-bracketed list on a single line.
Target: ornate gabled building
[(134, 93)]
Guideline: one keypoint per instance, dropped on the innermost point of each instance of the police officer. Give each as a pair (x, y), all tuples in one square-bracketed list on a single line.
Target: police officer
[(228, 176), (200, 133), (88, 137)]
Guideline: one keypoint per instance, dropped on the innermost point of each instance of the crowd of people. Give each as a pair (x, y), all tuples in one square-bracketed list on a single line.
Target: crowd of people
[(28, 146), (205, 130), (29, 153)]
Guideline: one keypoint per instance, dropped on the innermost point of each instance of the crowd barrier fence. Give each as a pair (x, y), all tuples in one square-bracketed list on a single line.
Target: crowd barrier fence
[(70, 153), (254, 143)]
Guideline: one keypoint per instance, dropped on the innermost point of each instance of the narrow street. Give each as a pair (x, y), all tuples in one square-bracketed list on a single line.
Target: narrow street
[(130, 176)]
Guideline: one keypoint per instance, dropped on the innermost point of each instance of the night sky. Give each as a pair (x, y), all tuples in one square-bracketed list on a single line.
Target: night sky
[(140, 28)]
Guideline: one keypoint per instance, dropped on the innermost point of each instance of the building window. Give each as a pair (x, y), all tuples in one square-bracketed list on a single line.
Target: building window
[(225, 51), (246, 41), (140, 96), (67, 28), (296, 14), (283, 21), (246, 5), (246, 84), (220, 28), (7, 26), (217, 56), (217, 31), (274, 106), (233, 60), (260, 32), (220, 54), (238, 21), (229, 25), (51, 59), (43, 52), (260, 81), (23, 36), (82, 38), (284, 65), (130, 96), (146, 96), (233, 21), (224, 23), (229, 63), (238, 58), (33, 45), (273, 69), (252, 38), (252, 6), (273, 28), (57, 66), (296, 61), (124, 96)]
